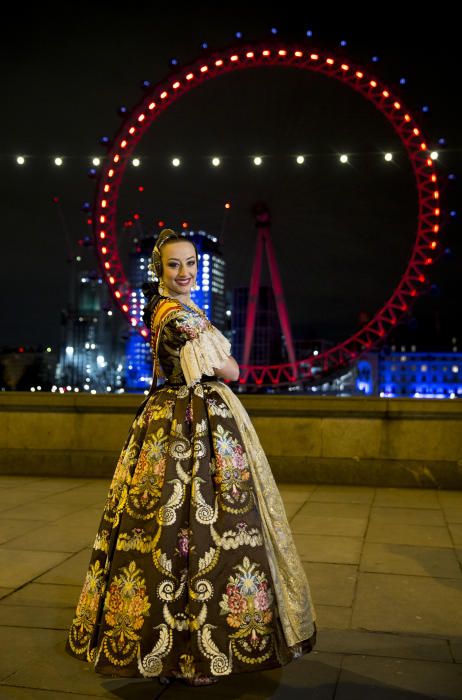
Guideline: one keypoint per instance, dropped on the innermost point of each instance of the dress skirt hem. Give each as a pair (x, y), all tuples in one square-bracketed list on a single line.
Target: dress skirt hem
[(193, 570)]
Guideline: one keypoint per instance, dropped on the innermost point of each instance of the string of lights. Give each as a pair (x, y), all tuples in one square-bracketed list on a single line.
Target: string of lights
[(216, 161)]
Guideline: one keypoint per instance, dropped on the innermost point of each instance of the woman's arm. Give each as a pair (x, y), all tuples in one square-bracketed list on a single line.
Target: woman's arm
[(230, 370)]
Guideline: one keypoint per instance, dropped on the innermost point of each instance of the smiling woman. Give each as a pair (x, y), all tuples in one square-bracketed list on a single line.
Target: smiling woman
[(194, 573)]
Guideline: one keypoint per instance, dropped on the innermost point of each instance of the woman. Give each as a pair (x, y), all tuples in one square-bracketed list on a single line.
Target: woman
[(194, 573)]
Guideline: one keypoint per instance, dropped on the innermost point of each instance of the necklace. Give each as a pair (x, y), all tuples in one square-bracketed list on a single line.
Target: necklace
[(191, 306)]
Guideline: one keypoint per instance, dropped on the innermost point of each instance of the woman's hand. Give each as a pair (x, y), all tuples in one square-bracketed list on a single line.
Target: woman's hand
[(230, 370)]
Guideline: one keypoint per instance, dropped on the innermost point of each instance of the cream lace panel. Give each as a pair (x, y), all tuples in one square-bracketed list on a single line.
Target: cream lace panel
[(292, 589), (201, 354)]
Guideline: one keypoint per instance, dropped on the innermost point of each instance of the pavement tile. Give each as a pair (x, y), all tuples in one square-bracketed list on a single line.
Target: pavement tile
[(55, 538), (49, 485), (343, 494), (17, 567), (44, 594), (453, 515), (456, 649), (87, 517), (11, 481), (331, 584), (325, 548), (295, 493), (333, 616), (456, 532), (414, 516), (407, 498), (71, 571), (291, 508), (328, 525), (438, 562), (411, 604), (339, 510), (35, 616), (21, 646), (10, 528), (5, 591), (450, 499), (370, 678), (76, 496), (11, 498), (379, 644), (397, 533), (37, 510)]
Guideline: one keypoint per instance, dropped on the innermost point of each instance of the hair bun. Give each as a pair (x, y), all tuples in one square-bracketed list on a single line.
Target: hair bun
[(164, 235)]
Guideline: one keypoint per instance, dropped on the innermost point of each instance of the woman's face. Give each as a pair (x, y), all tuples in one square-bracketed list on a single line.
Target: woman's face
[(179, 267)]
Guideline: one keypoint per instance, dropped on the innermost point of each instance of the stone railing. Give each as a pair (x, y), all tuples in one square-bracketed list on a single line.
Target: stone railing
[(323, 439)]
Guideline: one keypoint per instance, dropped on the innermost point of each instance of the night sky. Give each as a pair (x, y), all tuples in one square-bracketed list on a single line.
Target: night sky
[(342, 234)]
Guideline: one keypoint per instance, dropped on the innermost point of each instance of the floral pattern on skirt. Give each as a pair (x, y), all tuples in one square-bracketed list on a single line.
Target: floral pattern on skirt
[(179, 582)]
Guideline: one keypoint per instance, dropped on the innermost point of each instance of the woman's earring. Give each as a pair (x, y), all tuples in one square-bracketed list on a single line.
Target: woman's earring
[(161, 289)]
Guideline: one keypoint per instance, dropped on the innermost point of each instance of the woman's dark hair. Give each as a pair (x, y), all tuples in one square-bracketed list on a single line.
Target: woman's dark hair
[(150, 289), (151, 294)]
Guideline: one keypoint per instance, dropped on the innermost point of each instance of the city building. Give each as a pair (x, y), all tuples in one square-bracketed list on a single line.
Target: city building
[(91, 353)]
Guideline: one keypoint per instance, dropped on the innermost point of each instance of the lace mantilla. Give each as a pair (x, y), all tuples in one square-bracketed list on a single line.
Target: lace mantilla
[(200, 355)]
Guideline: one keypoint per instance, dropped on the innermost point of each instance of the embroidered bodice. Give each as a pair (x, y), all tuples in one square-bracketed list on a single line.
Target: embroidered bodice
[(185, 344)]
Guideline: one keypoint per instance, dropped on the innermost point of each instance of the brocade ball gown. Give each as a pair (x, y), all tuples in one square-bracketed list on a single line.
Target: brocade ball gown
[(193, 571)]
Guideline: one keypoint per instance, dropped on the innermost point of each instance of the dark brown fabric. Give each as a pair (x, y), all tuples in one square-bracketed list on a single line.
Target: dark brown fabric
[(179, 583)]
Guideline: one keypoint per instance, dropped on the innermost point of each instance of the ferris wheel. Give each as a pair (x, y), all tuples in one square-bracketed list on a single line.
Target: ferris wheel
[(293, 55)]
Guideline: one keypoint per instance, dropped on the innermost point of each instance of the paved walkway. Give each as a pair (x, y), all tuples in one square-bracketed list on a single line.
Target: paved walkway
[(384, 566)]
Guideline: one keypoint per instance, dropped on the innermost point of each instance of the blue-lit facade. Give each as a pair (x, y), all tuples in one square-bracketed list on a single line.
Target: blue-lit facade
[(209, 295), (138, 367), (436, 375)]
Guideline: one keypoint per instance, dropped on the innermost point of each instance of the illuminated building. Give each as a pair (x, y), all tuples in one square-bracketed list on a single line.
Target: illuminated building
[(435, 375), (91, 354)]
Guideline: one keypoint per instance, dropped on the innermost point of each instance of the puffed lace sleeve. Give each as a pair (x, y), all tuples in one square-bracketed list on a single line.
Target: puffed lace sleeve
[(204, 348)]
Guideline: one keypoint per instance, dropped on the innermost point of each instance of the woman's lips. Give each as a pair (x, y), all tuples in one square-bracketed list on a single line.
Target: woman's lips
[(184, 282)]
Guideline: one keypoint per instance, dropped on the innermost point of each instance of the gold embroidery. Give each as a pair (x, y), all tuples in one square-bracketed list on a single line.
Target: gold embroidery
[(292, 590)]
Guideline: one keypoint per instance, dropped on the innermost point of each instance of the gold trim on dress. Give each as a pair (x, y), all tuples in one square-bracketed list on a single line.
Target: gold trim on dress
[(292, 589)]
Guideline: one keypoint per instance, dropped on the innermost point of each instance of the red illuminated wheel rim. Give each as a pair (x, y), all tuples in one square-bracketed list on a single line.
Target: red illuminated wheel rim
[(292, 55)]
